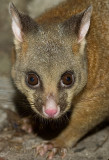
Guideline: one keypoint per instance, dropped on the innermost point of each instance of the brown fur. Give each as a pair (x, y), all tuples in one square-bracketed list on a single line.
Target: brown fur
[(75, 48), (24, 47), (91, 99)]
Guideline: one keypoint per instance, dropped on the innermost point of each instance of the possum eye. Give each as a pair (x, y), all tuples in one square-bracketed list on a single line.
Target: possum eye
[(67, 79), (32, 80)]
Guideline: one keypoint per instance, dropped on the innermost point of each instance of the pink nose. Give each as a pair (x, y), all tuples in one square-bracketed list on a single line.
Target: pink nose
[(51, 112)]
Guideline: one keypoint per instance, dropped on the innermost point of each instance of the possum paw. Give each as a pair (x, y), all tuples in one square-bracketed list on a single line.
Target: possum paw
[(26, 125), (50, 150)]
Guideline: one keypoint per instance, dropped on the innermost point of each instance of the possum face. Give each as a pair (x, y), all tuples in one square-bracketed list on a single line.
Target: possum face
[(50, 66)]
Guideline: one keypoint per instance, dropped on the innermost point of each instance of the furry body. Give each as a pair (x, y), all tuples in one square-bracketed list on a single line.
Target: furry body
[(49, 48)]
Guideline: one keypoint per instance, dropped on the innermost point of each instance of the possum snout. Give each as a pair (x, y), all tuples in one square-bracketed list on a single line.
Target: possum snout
[(51, 109)]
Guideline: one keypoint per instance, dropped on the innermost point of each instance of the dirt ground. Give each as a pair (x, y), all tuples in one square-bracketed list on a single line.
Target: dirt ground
[(16, 144)]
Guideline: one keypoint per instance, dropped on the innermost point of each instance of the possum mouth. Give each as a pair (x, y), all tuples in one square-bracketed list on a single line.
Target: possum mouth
[(51, 114), (47, 114), (50, 109), (58, 115)]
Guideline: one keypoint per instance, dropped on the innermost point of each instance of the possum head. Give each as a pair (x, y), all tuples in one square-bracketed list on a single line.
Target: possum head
[(51, 65)]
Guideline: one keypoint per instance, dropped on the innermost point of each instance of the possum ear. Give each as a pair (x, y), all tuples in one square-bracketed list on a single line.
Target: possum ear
[(78, 25), (84, 24), (21, 24), (16, 22)]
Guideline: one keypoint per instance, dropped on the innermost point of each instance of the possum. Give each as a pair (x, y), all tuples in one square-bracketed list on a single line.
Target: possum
[(61, 65)]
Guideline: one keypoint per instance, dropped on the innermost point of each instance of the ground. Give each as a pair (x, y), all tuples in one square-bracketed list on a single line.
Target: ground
[(16, 144)]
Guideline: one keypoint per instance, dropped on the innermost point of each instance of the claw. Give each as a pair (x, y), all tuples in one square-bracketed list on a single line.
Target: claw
[(42, 149), (52, 153), (50, 150), (63, 153), (26, 125)]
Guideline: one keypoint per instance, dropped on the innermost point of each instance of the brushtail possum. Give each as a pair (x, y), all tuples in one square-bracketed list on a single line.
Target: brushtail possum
[(62, 66)]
